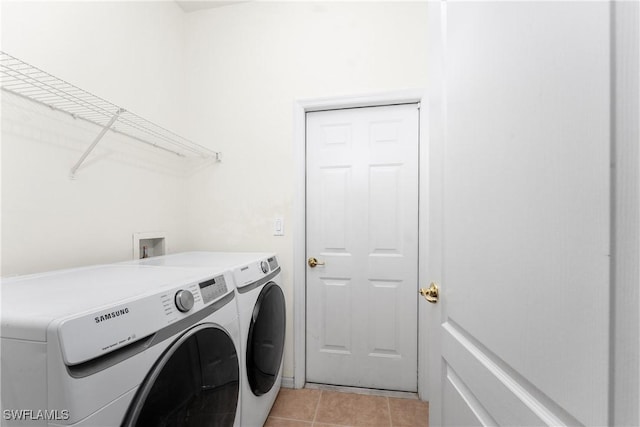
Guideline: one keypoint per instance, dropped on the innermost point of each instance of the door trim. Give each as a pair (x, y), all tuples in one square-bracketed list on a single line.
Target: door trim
[(300, 108), (624, 392)]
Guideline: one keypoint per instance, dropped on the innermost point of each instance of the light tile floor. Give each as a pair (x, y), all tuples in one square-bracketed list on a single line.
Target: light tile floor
[(324, 408)]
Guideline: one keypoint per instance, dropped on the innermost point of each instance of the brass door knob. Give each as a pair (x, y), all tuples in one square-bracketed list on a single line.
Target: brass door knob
[(432, 294), (313, 262)]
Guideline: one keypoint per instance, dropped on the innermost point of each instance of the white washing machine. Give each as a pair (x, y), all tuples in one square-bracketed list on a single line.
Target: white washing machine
[(261, 307), (120, 345)]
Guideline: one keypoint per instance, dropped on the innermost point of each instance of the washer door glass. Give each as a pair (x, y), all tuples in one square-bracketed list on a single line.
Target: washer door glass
[(265, 342), (195, 383)]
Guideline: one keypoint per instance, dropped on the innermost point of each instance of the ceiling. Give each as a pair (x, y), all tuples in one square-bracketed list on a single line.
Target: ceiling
[(192, 6)]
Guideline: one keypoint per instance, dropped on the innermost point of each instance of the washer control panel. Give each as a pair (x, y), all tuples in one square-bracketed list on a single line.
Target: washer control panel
[(176, 302), (111, 327), (184, 300), (213, 289), (254, 271), (273, 262)]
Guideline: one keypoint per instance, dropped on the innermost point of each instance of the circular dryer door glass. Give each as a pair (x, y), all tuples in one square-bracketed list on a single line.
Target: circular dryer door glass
[(265, 342), (194, 384)]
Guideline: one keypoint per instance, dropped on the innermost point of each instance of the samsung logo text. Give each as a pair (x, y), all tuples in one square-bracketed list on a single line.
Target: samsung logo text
[(111, 315)]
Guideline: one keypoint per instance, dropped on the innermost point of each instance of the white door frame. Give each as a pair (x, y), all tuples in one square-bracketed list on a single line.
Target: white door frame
[(300, 108)]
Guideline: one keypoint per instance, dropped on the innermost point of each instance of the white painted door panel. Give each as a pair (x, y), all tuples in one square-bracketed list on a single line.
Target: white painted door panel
[(362, 222), (524, 334)]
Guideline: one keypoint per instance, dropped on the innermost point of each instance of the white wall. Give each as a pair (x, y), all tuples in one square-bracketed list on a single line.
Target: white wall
[(226, 78), (247, 64), (129, 53)]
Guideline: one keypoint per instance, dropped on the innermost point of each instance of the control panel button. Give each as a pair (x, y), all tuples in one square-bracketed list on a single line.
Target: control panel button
[(264, 266), (184, 300)]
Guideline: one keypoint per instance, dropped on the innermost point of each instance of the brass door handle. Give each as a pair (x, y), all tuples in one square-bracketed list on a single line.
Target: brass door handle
[(432, 294), (313, 262)]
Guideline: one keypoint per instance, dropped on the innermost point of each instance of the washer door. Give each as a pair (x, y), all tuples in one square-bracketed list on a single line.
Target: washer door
[(195, 383), (265, 342)]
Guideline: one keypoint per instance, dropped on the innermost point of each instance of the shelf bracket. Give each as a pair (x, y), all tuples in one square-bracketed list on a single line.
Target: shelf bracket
[(104, 130)]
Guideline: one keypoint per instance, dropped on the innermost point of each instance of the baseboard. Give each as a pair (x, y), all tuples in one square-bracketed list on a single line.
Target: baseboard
[(287, 382), (366, 391)]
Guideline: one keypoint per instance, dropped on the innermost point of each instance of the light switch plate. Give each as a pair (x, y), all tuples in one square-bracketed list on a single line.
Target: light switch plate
[(278, 226)]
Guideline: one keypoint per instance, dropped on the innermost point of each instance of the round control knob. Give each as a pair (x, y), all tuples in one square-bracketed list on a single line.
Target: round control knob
[(184, 300), (264, 266)]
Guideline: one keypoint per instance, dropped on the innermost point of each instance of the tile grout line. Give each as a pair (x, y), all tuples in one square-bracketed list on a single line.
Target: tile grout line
[(389, 408), (315, 414)]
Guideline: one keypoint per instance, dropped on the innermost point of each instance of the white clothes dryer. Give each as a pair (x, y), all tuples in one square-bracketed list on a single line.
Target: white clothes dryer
[(261, 307), (120, 345)]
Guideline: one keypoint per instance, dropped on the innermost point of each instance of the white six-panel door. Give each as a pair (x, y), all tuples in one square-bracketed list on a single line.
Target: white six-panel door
[(525, 228), (362, 223)]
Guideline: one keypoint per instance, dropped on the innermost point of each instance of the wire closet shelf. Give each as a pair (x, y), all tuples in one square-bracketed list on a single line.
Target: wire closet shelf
[(25, 80)]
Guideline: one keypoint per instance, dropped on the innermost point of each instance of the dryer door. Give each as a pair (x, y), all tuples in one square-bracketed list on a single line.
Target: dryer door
[(195, 383), (265, 342)]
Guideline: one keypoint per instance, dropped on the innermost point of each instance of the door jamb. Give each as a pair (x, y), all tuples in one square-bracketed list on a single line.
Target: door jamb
[(300, 108)]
